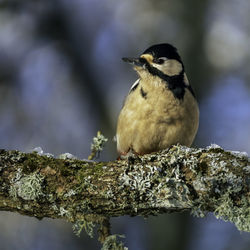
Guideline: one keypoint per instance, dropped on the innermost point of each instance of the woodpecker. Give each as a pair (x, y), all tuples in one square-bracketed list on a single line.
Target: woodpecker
[(160, 109)]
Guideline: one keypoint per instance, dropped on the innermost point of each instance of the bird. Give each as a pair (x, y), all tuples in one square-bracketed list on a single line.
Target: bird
[(161, 109)]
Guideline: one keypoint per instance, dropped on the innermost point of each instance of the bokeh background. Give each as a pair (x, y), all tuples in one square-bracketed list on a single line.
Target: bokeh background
[(62, 79)]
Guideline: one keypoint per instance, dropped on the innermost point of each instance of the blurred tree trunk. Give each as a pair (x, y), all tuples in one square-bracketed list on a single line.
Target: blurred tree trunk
[(193, 19)]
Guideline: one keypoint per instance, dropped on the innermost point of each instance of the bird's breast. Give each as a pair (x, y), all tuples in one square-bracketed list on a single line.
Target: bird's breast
[(153, 102), (153, 119)]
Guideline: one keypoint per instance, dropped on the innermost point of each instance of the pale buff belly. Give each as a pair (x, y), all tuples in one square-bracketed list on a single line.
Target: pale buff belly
[(154, 123)]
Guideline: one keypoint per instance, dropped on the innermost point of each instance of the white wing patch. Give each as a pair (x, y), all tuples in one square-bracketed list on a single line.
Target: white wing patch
[(135, 84)]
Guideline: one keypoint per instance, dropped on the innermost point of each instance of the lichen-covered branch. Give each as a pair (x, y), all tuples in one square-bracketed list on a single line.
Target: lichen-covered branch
[(85, 192)]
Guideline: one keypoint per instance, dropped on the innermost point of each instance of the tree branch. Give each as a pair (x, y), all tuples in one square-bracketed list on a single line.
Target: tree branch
[(85, 192)]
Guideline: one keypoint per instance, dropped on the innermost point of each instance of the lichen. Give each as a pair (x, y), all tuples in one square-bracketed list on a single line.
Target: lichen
[(243, 155), (84, 224), (198, 211), (222, 186), (112, 242), (247, 169), (66, 156), (63, 211), (213, 146), (40, 151), (97, 146), (70, 193), (227, 211), (161, 183), (27, 187)]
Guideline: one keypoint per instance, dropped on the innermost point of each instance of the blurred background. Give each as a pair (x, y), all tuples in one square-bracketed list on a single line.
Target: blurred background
[(62, 79)]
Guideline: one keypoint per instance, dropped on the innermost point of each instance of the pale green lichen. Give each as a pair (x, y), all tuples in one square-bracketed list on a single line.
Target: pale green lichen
[(213, 146), (226, 184), (238, 215), (70, 193), (243, 155), (151, 183), (54, 207), (84, 224), (66, 156), (198, 211), (39, 151), (247, 169), (112, 242), (63, 212), (13, 192), (27, 187), (14, 156), (18, 175), (98, 142), (215, 182), (97, 146)]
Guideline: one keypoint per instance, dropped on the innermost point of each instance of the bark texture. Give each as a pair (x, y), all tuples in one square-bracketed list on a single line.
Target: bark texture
[(85, 193)]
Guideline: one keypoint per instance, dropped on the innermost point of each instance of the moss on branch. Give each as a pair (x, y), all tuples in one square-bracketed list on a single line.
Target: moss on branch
[(86, 193)]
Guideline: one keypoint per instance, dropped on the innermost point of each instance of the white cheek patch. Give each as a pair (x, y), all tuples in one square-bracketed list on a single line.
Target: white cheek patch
[(170, 67)]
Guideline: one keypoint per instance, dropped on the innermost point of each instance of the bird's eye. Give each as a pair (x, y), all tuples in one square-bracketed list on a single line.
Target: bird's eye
[(161, 60)]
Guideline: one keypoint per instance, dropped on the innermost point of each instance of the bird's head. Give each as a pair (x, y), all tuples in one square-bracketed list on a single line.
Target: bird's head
[(161, 60)]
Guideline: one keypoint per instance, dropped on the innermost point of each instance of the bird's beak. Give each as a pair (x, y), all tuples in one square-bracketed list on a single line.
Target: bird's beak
[(135, 61)]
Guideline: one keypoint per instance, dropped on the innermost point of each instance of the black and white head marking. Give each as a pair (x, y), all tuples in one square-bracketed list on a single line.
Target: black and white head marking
[(162, 60), (167, 64)]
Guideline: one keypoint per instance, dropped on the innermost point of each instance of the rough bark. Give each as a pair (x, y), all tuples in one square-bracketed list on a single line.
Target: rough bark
[(85, 192)]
